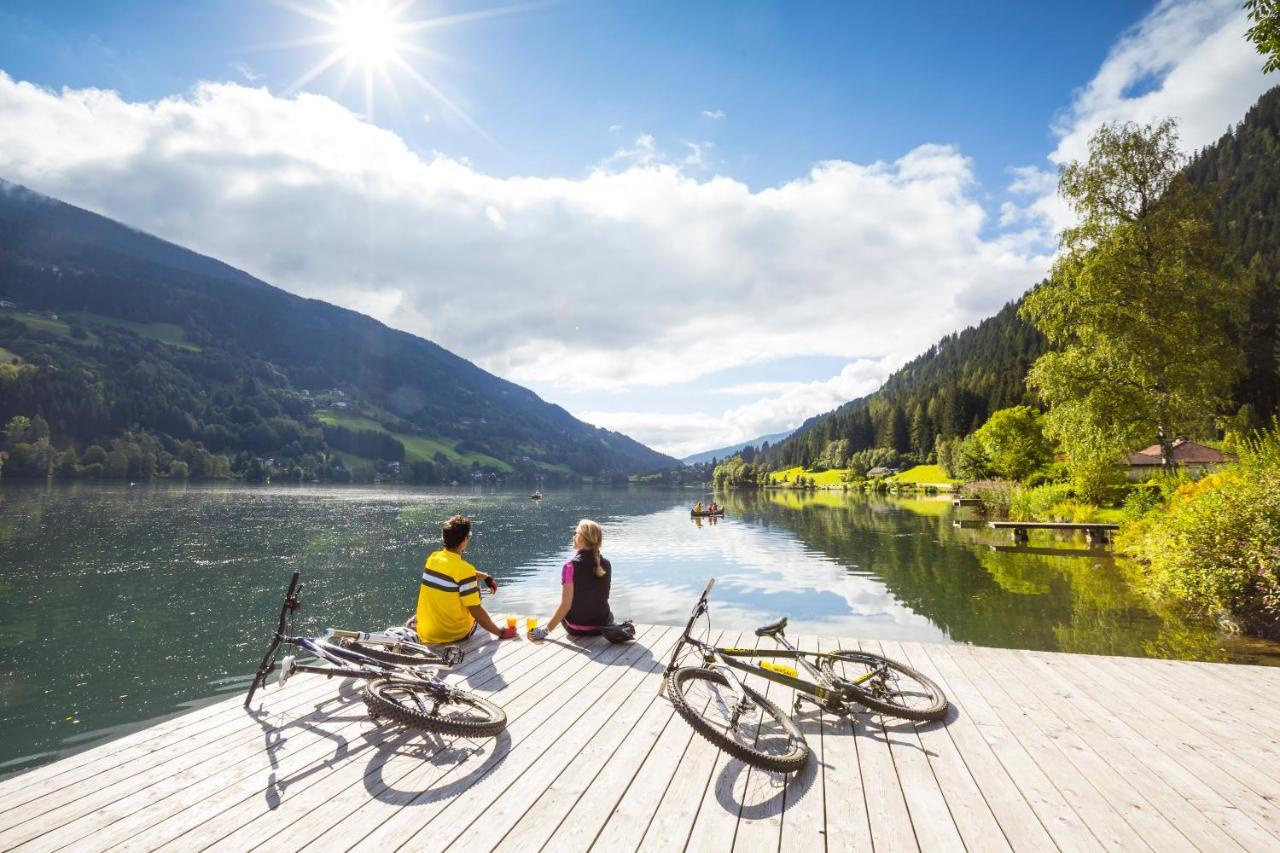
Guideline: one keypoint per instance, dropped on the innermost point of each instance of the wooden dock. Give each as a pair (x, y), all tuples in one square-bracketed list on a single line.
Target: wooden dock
[(1040, 751)]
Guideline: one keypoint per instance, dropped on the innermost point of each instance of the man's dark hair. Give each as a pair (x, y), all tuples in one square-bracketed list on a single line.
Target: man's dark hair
[(455, 531)]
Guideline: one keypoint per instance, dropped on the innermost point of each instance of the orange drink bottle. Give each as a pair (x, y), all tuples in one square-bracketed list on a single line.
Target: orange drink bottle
[(531, 623)]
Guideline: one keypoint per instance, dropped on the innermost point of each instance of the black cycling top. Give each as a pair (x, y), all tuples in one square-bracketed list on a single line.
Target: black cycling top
[(590, 607)]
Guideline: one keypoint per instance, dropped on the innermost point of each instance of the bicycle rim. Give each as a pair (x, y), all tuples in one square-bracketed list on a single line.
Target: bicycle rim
[(432, 708), (886, 685), (759, 733)]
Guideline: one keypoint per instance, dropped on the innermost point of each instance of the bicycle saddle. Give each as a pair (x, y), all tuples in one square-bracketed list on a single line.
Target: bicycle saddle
[(772, 628)]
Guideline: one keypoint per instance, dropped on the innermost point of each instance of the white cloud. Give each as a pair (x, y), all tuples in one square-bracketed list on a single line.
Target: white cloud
[(634, 274), (1186, 58), (784, 406), (714, 115)]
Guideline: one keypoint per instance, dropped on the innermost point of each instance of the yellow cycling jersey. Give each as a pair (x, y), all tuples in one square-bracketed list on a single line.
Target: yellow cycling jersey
[(449, 586)]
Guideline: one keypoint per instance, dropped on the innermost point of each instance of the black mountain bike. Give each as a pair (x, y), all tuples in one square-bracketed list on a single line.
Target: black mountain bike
[(401, 680), (736, 718)]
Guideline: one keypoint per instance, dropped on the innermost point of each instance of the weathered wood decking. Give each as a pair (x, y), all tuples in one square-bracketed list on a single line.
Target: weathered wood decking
[(1040, 751)]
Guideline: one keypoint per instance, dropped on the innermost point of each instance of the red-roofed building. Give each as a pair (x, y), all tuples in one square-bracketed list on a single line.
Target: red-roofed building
[(1188, 455)]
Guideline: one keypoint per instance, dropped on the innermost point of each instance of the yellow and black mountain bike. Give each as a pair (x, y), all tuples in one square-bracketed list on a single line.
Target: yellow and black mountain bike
[(729, 713)]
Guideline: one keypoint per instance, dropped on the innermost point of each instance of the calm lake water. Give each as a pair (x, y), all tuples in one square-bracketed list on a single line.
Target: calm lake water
[(122, 605)]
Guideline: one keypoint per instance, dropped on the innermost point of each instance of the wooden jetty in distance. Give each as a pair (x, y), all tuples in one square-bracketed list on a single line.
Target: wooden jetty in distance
[(1094, 532), (1039, 751)]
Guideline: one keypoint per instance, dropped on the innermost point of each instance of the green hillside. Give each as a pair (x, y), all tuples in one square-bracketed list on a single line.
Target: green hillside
[(952, 388), (117, 341)]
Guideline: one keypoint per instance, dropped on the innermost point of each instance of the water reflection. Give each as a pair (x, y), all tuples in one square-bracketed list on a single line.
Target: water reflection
[(119, 605)]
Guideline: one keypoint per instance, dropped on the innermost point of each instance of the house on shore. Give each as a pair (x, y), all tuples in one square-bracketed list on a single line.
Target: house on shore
[(1195, 459)]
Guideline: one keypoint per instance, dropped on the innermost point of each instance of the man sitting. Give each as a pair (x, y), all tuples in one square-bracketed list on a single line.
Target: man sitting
[(449, 597)]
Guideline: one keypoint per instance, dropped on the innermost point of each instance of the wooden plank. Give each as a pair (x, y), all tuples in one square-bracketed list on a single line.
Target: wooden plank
[(764, 796), (846, 818), (446, 815), (297, 749), (641, 802), (95, 795), (689, 794), (1096, 724), (577, 801), (717, 819), (1059, 819), (804, 811), (1020, 827), (972, 817), (1172, 758), (577, 755), (1039, 738), (1003, 669), (384, 774), (887, 810)]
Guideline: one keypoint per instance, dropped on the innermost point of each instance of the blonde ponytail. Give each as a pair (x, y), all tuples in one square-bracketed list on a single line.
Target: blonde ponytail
[(593, 537)]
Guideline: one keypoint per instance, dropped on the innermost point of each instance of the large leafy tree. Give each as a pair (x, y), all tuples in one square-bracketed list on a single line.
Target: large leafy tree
[(1265, 32), (1015, 442), (1142, 308)]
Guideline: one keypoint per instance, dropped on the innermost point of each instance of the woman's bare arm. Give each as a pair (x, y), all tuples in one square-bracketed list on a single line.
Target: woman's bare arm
[(566, 600)]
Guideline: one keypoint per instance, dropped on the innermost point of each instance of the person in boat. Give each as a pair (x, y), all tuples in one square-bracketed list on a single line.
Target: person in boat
[(584, 587), (713, 508), (697, 508), (449, 606)]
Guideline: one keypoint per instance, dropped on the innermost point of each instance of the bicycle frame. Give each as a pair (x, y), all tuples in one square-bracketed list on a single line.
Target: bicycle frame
[(347, 663), (826, 692)]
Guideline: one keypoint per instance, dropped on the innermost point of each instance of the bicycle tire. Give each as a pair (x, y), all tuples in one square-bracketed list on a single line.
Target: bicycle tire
[(398, 700), (379, 652), (881, 699), (679, 688)]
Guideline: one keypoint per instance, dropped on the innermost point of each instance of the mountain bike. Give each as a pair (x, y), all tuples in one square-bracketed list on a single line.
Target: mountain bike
[(400, 674), (741, 721)]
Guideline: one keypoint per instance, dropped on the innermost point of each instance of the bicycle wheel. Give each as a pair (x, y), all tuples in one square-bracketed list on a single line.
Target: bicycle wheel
[(380, 652), (434, 709), (759, 734), (885, 685)]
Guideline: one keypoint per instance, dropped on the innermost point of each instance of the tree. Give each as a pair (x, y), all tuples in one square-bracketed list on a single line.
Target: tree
[(1015, 442), (1142, 308), (1265, 32)]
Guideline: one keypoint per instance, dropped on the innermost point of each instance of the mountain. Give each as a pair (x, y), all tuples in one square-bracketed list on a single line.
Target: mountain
[(723, 452), (950, 390), (151, 338)]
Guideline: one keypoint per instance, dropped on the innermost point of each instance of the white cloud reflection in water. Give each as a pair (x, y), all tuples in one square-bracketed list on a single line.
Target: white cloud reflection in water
[(661, 562)]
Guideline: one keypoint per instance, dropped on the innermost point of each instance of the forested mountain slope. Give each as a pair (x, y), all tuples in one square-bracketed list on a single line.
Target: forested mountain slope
[(951, 389), (153, 339)]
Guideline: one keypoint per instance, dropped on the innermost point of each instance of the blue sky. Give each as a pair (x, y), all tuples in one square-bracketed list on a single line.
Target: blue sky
[(693, 222)]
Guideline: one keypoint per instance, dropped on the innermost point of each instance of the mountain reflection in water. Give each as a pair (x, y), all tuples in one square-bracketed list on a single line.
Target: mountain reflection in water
[(123, 604)]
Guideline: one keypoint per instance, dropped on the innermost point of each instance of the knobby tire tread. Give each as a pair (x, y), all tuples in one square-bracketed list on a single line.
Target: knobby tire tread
[(765, 761), (380, 706)]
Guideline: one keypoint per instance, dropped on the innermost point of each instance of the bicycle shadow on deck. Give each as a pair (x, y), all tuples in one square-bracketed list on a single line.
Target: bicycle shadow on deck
[(439, 756), (275, 724), (767, 794)]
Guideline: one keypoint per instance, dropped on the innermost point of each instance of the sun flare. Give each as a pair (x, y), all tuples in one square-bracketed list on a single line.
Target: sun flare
[(375, 41), (368, 33)]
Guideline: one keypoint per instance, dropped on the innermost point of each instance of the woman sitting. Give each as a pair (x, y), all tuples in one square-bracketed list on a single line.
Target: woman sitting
[(697, 508), (584, 587)]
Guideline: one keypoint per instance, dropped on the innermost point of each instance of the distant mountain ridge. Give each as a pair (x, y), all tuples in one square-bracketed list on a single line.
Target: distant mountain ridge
[(56, 257), (723, 452), (952, 388)]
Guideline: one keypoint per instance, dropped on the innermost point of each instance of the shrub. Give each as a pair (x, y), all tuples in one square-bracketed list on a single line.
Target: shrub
[(1034, 504), (994, 494), (1216, 547)]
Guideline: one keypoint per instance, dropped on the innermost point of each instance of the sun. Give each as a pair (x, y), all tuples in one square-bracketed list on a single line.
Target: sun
[(374, 40), (369, 33)]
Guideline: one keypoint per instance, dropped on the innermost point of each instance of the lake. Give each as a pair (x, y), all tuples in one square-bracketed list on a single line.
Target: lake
[(122, 605)]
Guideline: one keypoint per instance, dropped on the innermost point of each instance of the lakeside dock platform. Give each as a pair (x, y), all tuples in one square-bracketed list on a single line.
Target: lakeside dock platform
[(1038, 751)]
